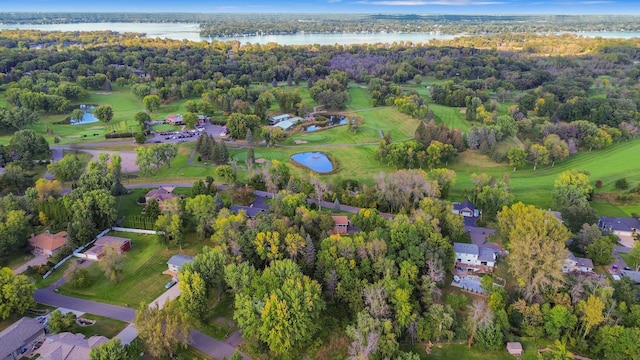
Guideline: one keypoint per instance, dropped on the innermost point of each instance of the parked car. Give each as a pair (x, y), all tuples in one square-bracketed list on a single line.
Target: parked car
[(170, 283)]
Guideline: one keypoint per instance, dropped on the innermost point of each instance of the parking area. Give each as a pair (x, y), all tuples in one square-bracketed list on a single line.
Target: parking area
[(172, 137)]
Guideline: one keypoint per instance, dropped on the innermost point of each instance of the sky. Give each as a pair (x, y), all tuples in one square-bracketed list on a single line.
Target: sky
[(469, 7)]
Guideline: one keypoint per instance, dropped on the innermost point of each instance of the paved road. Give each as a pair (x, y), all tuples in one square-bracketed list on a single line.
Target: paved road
[(200, 341), (48, 297)]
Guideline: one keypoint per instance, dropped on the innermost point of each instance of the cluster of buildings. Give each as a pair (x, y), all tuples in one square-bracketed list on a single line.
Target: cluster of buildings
[(28, 336)]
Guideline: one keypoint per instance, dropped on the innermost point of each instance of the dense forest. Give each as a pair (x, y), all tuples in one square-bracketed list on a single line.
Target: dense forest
[(385, 287)]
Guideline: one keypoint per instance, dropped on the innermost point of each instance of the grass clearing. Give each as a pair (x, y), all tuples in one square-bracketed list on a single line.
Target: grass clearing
[(359, 97), (218, 322), (143, 279), (529, 185), (103, 326), (462, 351)]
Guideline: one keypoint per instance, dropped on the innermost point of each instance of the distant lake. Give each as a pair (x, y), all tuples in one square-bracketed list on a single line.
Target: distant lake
[(190, 31)]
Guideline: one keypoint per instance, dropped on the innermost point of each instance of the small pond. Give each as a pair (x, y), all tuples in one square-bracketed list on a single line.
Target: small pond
[(316, 161), (87, 118)]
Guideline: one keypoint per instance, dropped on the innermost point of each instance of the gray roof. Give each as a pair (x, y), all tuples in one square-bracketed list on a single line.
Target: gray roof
[(250, 211), (178, 260), (463, 248), (464, 205), (487, 254), (584, 262), (634, 275), (619, 223), (15, 336), (69, 346)]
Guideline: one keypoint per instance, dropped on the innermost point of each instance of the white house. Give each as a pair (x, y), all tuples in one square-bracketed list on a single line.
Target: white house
[(176, 262), (466, 209), (472, 257), (572, 263), (276, 119)]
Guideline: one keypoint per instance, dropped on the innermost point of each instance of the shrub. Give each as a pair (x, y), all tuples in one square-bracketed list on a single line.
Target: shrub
[(622, 184), (142, 200), (56, 140), (118, 135), (598, 184)]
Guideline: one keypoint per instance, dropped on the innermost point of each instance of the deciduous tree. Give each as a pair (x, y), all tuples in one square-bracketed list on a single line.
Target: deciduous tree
[(163, 331), (16, 293), (536, 241), (103, 113), (111, 350)]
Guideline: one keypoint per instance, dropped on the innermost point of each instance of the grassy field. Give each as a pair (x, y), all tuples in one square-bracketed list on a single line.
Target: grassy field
[(125, 106), (103, 326), (462, 351), (359, 97), (143, 279), (534, 186)]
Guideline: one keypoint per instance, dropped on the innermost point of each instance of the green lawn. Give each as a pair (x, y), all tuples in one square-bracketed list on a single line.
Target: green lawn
[(534, 186), (143, 279), (359, 97), (462, 351), (103, 326), (218, 322), (450, 116), (627, 260), (125, 106)]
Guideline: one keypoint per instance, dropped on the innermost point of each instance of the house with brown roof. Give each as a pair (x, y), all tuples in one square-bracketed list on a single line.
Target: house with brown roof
[(161, 194), (341, 224), (47, 244), (174, 119), (101, 245), (20, 337), (68, 346)]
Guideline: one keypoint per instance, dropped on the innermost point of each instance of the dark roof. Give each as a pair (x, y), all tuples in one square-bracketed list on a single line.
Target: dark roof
[(487, 254), (463, 248), (584, 262), (634, 275), (178, 260), (464, 205), (250, 211), (15, 336), (619, 223)]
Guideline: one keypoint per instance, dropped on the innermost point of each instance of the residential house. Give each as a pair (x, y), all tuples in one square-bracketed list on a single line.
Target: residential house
[(202, 119), (577, 264), (250, 211), (67, 346), (341, 224), (625, 228), (176, 262), (276, 119), (161, 194), (633, 275), (20, 337), (101, 245), (174, 119), (288, 124), (515, 348), (466, 209), (47, 244), (473, 258)]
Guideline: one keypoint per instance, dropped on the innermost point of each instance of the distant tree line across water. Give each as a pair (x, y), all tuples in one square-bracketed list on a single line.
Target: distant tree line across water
[(235, 24)]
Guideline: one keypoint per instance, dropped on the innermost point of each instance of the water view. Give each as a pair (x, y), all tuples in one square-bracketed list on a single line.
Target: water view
[(87, 118), (190, 31), (316, 161)]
